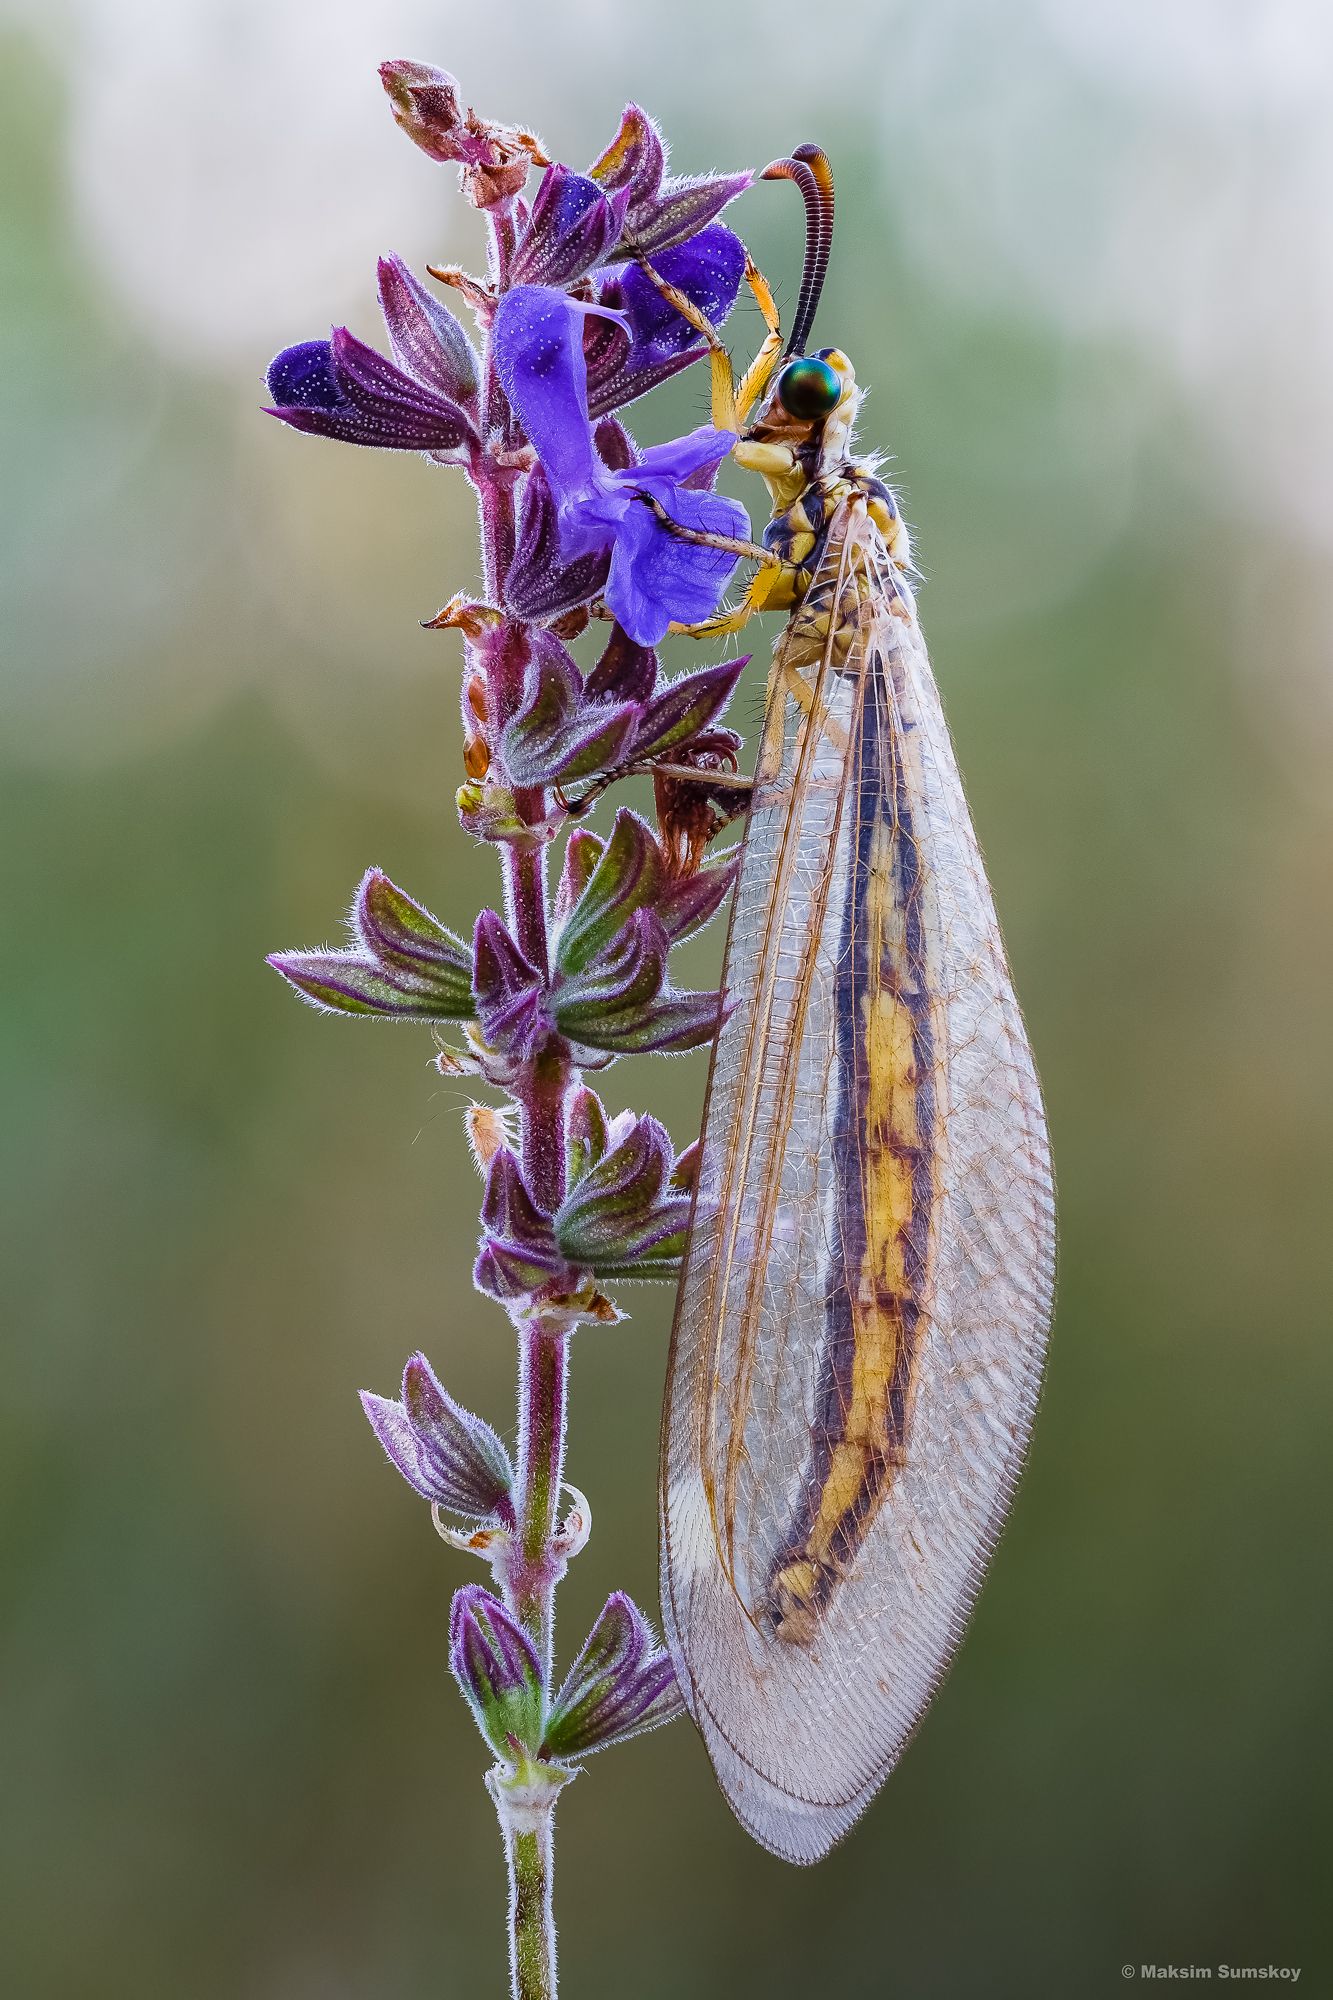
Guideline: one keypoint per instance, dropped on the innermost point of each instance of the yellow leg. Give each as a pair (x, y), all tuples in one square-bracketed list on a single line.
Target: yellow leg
[(730, 404), (760, 371), (758, 592)]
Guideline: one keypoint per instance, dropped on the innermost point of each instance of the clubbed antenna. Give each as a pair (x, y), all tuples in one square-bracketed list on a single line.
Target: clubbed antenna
[(810, 169)]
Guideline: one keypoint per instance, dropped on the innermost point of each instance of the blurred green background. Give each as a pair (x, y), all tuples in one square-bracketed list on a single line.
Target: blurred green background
[(1084, 259)]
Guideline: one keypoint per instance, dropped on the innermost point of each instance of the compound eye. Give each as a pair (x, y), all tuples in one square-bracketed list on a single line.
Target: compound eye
[(808, 387)]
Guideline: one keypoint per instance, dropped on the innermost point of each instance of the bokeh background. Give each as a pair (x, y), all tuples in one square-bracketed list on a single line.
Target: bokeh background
[(1084, 257)]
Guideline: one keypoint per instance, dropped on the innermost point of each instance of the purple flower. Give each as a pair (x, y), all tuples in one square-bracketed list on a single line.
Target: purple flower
[(423, 401), (441, 1449), (537, 342)]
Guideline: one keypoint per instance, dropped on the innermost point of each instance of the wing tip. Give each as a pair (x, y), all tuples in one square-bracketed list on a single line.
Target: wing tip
[(799, 1831)]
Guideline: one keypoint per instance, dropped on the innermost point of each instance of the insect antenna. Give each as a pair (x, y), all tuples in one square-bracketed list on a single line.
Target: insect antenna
[(810, 169)]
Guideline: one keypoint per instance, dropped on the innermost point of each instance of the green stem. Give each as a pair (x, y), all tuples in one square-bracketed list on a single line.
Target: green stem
[(542, 1387), (529, 1859)]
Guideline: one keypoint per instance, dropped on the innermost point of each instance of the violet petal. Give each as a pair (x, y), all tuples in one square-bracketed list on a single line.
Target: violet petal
[(302, 377), (708, 269), (537, 346), (657, 579)]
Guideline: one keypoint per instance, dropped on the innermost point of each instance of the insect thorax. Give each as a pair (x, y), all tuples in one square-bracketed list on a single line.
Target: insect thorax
[(799, 532)]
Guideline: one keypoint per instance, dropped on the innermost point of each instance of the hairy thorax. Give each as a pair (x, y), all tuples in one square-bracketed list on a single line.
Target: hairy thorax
[(799, 534), (798, 531)]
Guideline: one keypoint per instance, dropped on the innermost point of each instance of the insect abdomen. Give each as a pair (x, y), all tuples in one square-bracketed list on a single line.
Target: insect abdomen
[(885, 1150)]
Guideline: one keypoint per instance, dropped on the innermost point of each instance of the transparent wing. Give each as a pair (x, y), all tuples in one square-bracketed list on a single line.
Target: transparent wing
[(861, 1326)]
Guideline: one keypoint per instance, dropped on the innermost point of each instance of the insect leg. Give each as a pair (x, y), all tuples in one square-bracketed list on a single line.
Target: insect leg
[(772, 569), (761, 587), (736, 545), (730, 404), (759, 373)]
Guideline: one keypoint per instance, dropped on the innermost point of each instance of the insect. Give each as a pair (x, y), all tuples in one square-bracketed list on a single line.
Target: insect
[(860, 1332)]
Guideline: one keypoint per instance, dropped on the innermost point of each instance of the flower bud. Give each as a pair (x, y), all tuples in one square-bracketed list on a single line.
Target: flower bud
[(572, 227), (627, 878), (636, 158), (426, 338), (587, 1133), (558, 735), (662, 209), (403, 964), (497, 1668), (518, 1252), (427, 105), (621, 1684), (494, 158), (509, 990), (622, 1210), (540, 582), (686, 706), (340, 388), (443, 1451), (615, 997), (583, 850), (625, 671)]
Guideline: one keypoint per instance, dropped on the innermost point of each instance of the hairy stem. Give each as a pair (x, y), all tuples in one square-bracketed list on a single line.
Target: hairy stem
[(528, 1844), (539, 1091), (542, 1380)]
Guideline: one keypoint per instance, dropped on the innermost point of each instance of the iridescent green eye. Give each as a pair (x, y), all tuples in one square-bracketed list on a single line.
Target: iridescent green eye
[(808, 387)]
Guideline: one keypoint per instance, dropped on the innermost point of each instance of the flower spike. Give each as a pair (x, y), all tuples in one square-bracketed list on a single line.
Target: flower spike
[(598, 285)]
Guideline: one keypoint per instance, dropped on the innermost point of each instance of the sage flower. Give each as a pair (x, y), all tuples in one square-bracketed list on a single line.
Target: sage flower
[(654, 578)]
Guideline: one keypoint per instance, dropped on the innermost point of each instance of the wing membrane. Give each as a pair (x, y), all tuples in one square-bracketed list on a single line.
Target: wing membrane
[(862, 1319)]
